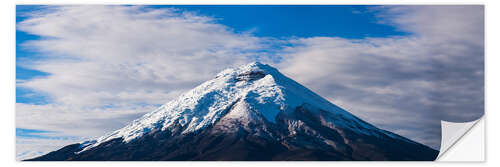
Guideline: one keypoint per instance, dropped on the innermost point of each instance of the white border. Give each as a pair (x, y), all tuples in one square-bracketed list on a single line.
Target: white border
[(7, 97)]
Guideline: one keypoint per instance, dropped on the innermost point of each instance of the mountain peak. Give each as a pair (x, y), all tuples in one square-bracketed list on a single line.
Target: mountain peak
[(248, 69), (257, 66), (247, 105), (258, 85)]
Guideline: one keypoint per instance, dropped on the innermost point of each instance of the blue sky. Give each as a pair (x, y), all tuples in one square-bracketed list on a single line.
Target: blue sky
[(352, 22), (96, 68), (25, 95), (298, 21)]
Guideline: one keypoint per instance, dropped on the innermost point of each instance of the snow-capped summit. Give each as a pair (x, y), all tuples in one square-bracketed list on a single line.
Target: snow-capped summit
[(251, 103), (262, 86)]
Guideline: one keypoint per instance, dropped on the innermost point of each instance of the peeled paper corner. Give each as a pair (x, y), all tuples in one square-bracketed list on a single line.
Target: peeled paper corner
[(462, 141)]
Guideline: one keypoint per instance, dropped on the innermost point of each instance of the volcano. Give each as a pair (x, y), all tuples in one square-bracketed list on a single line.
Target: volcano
[(252, 112)]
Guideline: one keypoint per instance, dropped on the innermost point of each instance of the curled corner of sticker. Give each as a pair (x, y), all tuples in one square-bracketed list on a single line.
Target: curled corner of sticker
[(452, 132)]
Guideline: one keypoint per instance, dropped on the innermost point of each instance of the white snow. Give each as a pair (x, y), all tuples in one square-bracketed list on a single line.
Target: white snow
[(205, 104)]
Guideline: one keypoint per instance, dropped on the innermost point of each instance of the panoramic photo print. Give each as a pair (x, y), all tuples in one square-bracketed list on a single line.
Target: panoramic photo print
[(244, 82)]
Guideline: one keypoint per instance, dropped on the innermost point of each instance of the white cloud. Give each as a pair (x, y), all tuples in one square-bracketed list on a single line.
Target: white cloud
[(112, 54), (463, 23), (31, 147), (76, 121)]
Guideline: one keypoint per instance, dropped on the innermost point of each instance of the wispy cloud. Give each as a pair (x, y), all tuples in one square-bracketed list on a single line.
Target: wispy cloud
[(29, 147)]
